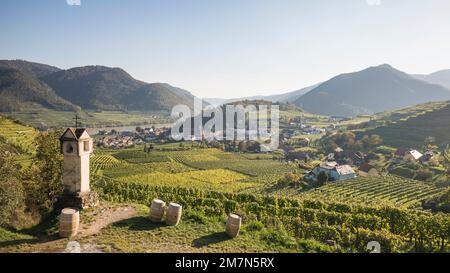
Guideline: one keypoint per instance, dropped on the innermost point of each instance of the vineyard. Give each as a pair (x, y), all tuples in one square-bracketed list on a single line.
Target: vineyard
[(373, 190), (211, 183), (106, 161), (17, 135), (350, 226), (125, 169), (204, 168), (214, 169), (219, 179)]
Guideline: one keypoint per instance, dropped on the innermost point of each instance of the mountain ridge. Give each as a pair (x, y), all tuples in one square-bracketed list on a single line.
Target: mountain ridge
[(441, 77), (92, 87), (32, 68), (19, 91), (372, 90)]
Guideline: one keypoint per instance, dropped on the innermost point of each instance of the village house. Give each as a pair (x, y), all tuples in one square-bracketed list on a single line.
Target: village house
[(367, 170), (427, 157), (291, 156), (117, 142), (347, 157), (412, 156), (334, 171), (330, 157), (407, 155), (313, 131)]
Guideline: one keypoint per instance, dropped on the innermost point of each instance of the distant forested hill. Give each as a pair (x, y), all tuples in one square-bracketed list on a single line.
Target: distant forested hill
[(412, 131), (373, 90), (440, 77), (105, 88), (25, 84), (19, 91), (33, 69)]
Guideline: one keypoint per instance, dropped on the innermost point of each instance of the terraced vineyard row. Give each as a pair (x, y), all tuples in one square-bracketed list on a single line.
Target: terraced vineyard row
[(208, 159), (105, 161), (137, 169), (18, 135), (248, 167), (139, 156), (372, 190), (218, 179)]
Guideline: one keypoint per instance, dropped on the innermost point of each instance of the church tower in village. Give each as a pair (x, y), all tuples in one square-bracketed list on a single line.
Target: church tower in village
[(76, 146)]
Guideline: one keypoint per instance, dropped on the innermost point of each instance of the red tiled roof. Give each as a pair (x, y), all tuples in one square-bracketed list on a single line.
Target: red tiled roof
[(366, 168)]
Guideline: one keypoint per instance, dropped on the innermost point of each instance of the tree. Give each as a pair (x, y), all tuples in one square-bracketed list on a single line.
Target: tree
[(371, 141), (242, 146), (45, 174), (424, 175), (291, 179), (429, 140), (322, 178), (11, 189)]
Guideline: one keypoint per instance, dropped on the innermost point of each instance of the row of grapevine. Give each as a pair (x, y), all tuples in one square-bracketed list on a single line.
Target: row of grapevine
[(352, 226), (18, 135), (104, 161), (389, 189)]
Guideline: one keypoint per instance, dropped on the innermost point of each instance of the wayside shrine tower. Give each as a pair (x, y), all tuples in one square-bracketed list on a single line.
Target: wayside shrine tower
[(76, 146)]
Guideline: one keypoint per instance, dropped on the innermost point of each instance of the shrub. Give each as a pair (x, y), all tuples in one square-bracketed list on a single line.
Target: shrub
[(424, 175), (312, 246), (230, 206), (11, 190), (196, 216), (255, 226), (278, 237)]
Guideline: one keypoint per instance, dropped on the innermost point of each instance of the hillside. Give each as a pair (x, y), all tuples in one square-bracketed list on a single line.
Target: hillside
[(31, 68), (284, 97), (291, 96), (211, 183), (27, 85), (17, 135), (373, 90), (104, 88), (412, 131), (19, 91), (376, 190), (440, 77)]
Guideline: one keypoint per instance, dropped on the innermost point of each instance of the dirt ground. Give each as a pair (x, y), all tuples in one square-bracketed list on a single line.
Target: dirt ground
[(92, 222)]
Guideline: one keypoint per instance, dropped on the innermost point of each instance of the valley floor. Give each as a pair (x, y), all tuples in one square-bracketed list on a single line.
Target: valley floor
[(43, 118)]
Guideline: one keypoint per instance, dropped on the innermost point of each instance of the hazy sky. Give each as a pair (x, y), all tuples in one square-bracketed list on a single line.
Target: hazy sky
[(229, 48)]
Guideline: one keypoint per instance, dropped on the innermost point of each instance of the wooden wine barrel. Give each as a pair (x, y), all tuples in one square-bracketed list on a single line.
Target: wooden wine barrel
[(173, 214), (157, 210), (233, 225), (69, 220)]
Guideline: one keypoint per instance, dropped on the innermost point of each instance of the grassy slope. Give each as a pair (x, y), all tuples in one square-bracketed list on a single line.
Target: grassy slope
[(17, 138), (195, 233), (411, 126), (8, 238)]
